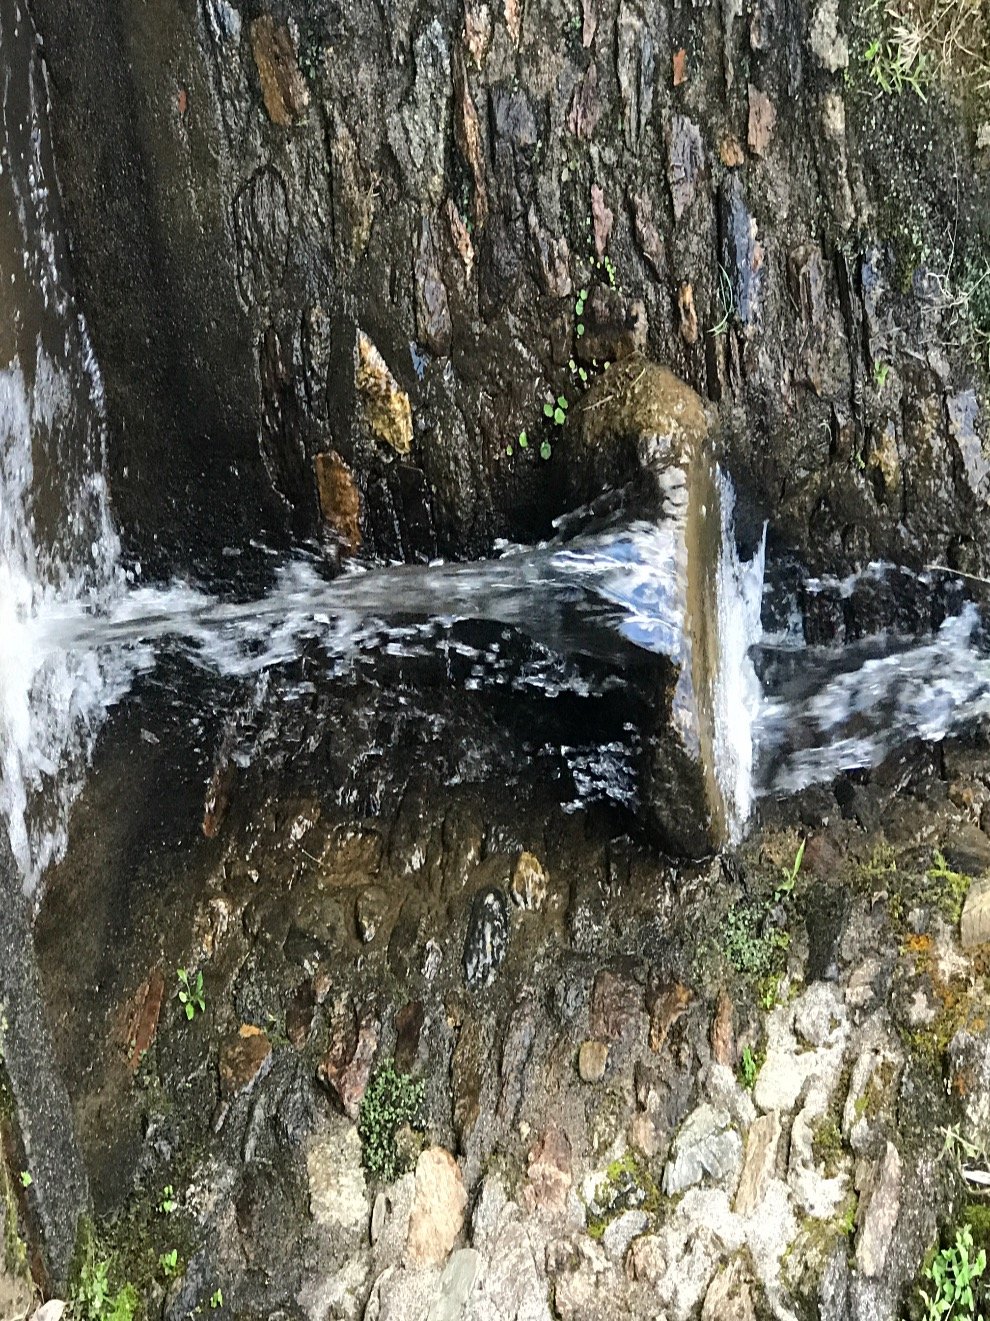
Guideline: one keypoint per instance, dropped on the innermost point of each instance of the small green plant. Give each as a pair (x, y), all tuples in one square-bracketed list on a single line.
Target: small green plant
[(168, 1203), (169, 1263), (391, 1100), (26, 1179), (897, 66), (546, 449), (749, 1068), (753, 944), (556, 412), (94, 1299), (952, 1274), (954, 885), (216, 1299), (191, 994), (881, 370), (790, 876)]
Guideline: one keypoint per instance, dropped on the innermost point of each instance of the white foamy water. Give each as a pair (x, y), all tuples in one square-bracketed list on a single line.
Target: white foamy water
[(57, 540), (854, 718)]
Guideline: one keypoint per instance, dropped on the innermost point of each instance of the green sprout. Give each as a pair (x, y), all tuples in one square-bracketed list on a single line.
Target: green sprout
[(168, 1203), (169, 1263), (191, 994), (952, 1272), (749, 1068), (545, 450), (790, 877), (26, 1179)]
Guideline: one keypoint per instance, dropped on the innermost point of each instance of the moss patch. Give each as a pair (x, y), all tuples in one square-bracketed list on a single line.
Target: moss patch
[(392, 1100)]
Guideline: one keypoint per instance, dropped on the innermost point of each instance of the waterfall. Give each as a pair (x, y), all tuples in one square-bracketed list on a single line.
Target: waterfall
[(57, 537)]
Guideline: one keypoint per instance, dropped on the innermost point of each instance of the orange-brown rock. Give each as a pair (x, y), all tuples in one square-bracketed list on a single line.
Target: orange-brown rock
[(283, 86), (243, 1058), (340, 503)]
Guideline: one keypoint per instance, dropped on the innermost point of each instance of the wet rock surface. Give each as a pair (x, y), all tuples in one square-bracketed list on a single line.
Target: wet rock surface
[(662, 1106), (373, 244), (445, 184)]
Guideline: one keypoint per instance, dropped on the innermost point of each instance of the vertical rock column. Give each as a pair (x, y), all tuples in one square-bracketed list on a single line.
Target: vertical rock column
[(43, 1140)]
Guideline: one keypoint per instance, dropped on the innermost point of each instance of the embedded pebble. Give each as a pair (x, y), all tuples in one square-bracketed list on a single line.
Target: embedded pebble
[(487, 937)]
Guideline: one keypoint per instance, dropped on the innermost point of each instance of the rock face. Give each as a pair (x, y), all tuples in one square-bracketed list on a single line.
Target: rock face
[(415, 177)]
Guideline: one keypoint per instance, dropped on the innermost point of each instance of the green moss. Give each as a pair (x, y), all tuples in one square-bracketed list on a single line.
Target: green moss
[(100, 1290), (951, 887), (977, 1216), (809, 1251), (827, 1145), (626, 1185), (753, 945), (391, 1100)]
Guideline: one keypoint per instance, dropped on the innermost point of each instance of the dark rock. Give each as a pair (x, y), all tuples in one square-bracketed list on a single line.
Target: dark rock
[(964, 412), (408, 1030), (346, 1067), (468, 1067), (635, 64), (742, 253), (586, 106), (487, 939), (616, 1009), (40, 1136), (826, 913), (371, 908), (552, 258), (300, 1013), (666, 1003), (647, 235), (517, 1051), (614, 327), (261, 229), (433, 325), (685, 161)]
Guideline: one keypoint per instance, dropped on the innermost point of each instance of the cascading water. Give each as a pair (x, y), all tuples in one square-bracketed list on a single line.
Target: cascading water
[(57, 539), (74, 631)]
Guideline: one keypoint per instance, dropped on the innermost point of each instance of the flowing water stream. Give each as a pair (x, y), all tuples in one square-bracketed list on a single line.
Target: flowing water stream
[(75, 629)]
